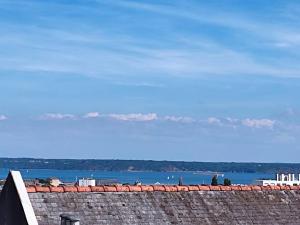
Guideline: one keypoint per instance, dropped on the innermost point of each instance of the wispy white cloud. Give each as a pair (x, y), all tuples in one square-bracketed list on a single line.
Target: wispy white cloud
[(214, 120), (258, 123), (181, 119), (3, 117), (57, 116), (151, 117), (95, 51), (92, 115), (135, 117), (248, 122)]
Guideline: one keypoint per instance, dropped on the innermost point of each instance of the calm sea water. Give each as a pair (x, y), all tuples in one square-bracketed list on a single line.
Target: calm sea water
[(144, 177)]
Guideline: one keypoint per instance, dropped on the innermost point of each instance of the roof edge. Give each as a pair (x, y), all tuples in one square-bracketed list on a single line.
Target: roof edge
[(161, 188), (24, 198)]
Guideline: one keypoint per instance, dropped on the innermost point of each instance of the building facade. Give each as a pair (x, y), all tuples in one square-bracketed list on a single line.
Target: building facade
[(282, 179)]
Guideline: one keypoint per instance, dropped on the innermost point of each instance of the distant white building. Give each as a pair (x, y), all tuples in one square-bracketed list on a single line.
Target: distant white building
[(282, 179), (85, 182)]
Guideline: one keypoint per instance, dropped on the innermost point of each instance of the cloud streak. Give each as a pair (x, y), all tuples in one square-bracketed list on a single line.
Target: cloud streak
[(152, 117), (3, 117), (135, 117), (95, 50), (57, 116), (92, 115)]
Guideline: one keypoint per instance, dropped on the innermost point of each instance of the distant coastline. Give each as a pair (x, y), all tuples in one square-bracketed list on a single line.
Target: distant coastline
[(146, 165)]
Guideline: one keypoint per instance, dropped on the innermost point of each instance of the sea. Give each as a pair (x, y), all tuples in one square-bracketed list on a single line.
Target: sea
[(130, 177)]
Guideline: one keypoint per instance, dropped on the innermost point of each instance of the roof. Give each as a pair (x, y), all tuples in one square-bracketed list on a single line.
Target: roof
[(108, 206), (157, 204)]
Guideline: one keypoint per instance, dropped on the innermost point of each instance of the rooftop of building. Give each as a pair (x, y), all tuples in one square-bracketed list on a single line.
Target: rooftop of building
[(160, 188), (150, 204)]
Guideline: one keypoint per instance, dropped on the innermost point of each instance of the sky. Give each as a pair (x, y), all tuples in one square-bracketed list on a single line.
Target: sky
[(189, 80)]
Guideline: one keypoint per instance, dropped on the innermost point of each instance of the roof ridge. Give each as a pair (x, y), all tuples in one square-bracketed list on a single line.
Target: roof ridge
[(161, 188)]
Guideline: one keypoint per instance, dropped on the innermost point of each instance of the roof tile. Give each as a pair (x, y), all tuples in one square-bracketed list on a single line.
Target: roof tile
[(296, 187), (225, 188), (203, 188), (31, 189), (158, 188), (163, 188), (122, 188), (214, 188), (70, 188), (110, 189), (275, 187), (42, 189), (246, 188), (266, 188), (83, 189), (256, 188), (193, 188), (56, 189), (171, 188), (285, 187), (147, 188), (136, 188), (97, 189), (236, 188), (182, 188)]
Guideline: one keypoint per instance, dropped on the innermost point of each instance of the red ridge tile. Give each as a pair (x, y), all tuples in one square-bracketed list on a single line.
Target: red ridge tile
[(193, 188), (147, 188), (31, 189), (225, 188), (42, 189), (158, 188), (83, 189), (256, 188), (203, 188), (214, 188), (182, 188), (122, 188), (163, 188), (266, 188), (245, 188), (56, 189), (110, 189), (70, 188), (97, 189), (236, 188), (136, 188)]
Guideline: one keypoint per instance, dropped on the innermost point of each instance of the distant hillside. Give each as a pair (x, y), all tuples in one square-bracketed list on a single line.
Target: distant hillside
[(144, 165)]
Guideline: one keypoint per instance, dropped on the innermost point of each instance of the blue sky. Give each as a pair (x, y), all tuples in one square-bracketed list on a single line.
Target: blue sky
[(172, 80)]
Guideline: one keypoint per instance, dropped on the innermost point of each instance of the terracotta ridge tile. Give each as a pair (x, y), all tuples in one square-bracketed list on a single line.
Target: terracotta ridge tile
[(236, 188), (135, 188), (121, 188), (256, 188), (110, 189), (193, 188), (246, 188), (225, 188), (42, 189), (161, 188), (203, 188), (31, 189), (83, 189), (70, 188), (97, 189), (147, 188), (214, 188), (57, 189), (182, 188)]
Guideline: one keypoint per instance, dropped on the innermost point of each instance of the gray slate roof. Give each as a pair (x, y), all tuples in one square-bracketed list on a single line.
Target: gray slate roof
[(162, 208)]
